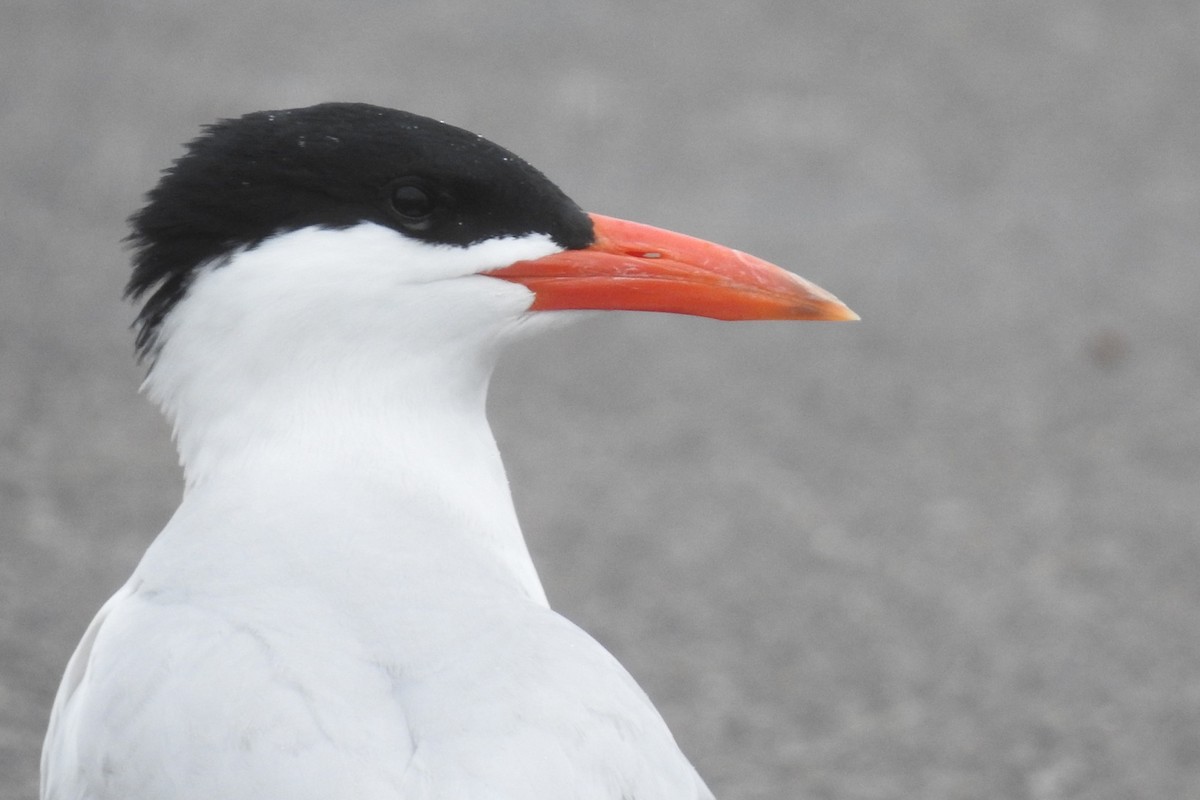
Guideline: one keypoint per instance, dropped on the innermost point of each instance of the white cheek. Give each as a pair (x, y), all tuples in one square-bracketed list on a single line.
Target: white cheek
[(315, 283), (315, 295)]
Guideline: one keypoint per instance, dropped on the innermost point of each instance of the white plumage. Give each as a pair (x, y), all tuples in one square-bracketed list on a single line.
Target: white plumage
[(343, 605)]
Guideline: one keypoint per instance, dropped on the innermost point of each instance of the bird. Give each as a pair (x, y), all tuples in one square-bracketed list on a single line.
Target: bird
[(343, 605)]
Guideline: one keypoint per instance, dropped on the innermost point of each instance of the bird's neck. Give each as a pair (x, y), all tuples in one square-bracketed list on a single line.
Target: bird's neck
[(393, 472)]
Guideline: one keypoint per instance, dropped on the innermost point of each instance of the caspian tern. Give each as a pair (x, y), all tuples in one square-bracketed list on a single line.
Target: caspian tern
[(343, 605)]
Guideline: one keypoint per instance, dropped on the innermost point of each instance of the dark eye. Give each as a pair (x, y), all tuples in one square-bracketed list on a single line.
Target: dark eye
[(413, 205)]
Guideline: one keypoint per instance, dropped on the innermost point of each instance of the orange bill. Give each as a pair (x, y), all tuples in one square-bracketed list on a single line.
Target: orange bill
[(635, 267)]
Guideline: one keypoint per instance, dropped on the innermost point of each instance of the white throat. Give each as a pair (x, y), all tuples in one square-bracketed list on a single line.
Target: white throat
[(351, 364)]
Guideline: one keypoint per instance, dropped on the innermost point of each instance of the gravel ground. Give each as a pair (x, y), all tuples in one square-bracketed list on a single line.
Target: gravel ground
[(948, 552)]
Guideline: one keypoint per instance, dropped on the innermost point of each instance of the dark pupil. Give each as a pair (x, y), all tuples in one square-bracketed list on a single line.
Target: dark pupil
[(412, 202)]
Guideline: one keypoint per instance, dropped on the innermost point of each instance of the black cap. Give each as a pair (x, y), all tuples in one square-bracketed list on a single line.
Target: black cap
[(333, 165)]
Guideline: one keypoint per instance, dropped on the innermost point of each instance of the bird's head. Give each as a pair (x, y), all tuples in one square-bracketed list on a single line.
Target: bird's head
[(321, 244), (341, 199)]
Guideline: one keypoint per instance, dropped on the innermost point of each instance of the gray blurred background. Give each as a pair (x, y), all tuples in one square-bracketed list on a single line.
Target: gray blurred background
[(948, 552)]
